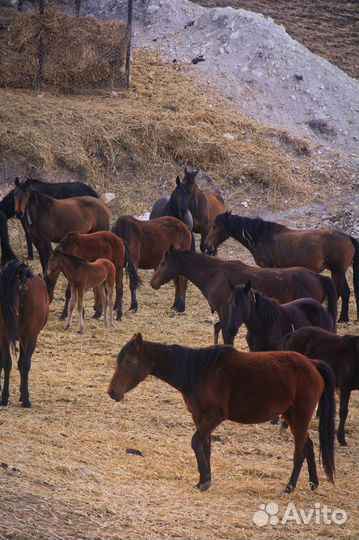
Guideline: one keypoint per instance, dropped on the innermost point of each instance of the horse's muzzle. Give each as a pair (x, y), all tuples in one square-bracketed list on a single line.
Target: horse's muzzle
[(155, 285), (209, 249), (114, 395)]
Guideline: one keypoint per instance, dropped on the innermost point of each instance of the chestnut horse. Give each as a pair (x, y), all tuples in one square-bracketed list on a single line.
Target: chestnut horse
[(58, 190), (24, 308), (268, 322), (49, 220), (105, 245), (340, 352), (275, 246), (213, 277), (83, 275), (219, 383), (203, 205), (147, 241)]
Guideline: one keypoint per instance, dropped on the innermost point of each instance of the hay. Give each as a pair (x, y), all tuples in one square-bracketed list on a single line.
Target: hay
[(139, 141), (79, 53)]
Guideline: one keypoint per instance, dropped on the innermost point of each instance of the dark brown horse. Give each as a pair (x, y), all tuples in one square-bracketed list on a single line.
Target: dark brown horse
[(341, 353), (49, 220), (24, 308), (147, 241), (105, 245), (268, 321), (203, 205), (83, 275), (58, 190), (213, 277), (220, 383), (275, 246)]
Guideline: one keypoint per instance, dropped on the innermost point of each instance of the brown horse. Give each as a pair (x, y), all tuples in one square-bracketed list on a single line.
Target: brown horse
[(268, 322), (341, 353), (220, 383), (105, 245), (203, 205), (213, 277), (49, 220), (83, 275), (275, 246), (147, 241), (24, 308)]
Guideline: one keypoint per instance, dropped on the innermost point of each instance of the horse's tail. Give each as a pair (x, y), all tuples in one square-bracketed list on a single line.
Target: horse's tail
[(331, 297), (7, 253), (131, 272), (356, 271), (326, 418), (8, 295)]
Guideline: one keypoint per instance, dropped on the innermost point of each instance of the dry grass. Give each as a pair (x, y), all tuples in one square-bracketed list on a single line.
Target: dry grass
[(137, 142), (67, 473), (79, 53)]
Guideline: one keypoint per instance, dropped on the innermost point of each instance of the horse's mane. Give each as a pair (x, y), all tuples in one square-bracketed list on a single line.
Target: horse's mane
[(266, 308), (44, 201), (253, 229), (74, 258), (189, 366), (9, 276)]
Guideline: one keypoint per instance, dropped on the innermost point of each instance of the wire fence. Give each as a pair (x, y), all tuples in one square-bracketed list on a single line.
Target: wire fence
[(47, 44)]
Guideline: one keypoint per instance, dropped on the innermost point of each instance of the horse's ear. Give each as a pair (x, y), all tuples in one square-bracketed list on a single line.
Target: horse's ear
[(17, 181), (248, 286), (178, 180), (138, 341)]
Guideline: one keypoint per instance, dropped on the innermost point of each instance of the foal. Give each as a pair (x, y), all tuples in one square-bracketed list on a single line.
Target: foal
[(83, 275)]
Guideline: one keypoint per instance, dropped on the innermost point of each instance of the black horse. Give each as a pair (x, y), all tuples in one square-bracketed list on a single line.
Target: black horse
[(7, 253), (60, 190), (176, 205)]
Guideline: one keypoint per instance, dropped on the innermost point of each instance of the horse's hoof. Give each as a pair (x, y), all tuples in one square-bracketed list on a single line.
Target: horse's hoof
[(203, 487), (283, 426), (133, 309), (343, 443), (4, 402), (313, 486), (26, 405), (343, 319), (80, 331), (63, 316), (275, 421), (289, 488), (67, 327)]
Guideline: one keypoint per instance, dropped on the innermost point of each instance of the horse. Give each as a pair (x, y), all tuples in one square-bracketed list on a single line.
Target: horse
[(213, 277), (176, 205), (203, 205), (220, 383), (83, 275), (49, 220), (104, 245), (7, 253), (59, 190), (340, 352), (147, 241), (24, 309), (275, 246), (268, 321)]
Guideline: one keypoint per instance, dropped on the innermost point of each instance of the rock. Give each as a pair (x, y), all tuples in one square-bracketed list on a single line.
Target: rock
[(108, 197)]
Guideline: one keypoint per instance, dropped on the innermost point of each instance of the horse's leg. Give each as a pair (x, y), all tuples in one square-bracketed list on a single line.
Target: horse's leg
[(103, 291), (65, 310), (24, 365), (30, 251), (80, 309), (134, 304), (180, 294), (343, 291), (312, 468), (73, 301), (298, 422), (119, 294), (98, 306), (201, 445), (44, 249), (6, 364), (343, 413), (110, 291), (216, 330)]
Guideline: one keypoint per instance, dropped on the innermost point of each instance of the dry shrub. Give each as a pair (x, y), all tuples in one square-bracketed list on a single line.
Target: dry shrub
[(80, 53)]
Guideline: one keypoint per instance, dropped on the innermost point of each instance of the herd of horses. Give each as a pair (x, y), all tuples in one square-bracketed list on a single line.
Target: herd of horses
[(296, 359)]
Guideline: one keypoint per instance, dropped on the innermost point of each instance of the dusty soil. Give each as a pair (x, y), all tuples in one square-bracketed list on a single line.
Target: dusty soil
[(66, 472), (329, 28)]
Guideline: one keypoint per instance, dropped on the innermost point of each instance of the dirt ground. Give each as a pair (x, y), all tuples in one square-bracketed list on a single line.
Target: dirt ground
[(65, 468), (329, 28)]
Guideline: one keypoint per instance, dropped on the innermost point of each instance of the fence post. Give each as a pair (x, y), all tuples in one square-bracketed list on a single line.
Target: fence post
[(128, 52), (41, 50)]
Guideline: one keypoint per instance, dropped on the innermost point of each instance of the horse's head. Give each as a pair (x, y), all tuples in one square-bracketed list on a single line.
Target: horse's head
[(240, 304), (166, 270), (132, 367), (22, 194), (53, 271), (218, 233), (180, 198)]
